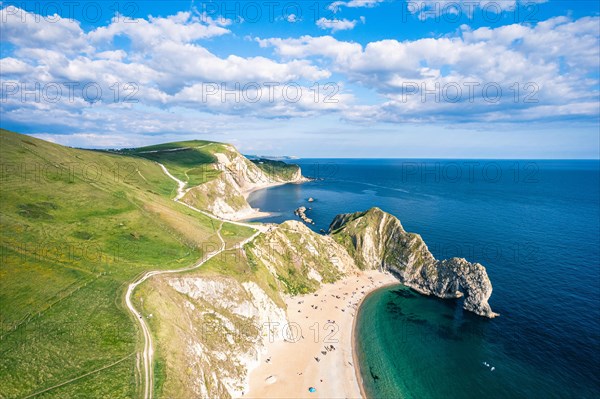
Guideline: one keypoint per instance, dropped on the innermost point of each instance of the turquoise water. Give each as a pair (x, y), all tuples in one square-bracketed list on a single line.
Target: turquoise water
[(533, 224)]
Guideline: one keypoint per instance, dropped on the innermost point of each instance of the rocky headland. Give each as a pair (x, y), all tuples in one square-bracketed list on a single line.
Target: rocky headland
[(377, 240), (290, 264), (226, 195)]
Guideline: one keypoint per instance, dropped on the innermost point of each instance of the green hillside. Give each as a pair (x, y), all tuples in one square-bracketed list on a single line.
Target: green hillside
[(187, 160), (277, 169), (76, 227)]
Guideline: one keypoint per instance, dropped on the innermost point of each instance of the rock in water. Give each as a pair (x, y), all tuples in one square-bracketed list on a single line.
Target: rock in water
[(377, 240), (301, 213)]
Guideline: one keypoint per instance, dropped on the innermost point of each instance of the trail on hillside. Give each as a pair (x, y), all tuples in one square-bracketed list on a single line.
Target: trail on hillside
[(148, 352), (181, 192)]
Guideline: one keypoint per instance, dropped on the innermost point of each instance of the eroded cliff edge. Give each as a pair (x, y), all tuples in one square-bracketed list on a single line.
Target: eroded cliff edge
[(377, 240), (226, 195)]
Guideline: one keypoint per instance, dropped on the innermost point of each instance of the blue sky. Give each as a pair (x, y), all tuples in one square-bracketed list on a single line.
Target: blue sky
[(355, 78)]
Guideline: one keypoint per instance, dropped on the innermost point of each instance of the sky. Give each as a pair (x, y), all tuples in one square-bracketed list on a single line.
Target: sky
[(352, 78)]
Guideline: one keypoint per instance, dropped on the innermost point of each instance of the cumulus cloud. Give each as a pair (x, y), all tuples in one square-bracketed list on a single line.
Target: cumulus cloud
[(12, 66), (535, 69), (166, 69), (163, 63), (336, 24), (182, 27), (24, 29), (307, 46)]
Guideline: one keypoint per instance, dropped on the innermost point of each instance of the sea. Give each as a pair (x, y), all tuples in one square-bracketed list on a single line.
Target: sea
[(535, 226)]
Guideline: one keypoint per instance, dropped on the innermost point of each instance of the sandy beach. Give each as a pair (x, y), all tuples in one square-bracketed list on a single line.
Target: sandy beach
[(322, 355), (256, 213), (249, 214)]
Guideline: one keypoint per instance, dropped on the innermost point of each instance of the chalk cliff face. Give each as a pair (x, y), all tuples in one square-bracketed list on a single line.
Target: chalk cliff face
[(227, 324), (225, 196), (377, 240)]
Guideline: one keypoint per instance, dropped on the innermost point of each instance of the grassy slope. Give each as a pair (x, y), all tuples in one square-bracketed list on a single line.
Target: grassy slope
[(76, 227), (189, 161), (277, 169)]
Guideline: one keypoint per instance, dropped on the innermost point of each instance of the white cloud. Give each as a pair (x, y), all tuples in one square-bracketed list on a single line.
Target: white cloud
[(170, 64), (336, 6), (182, 27), (113, 55), (307, 46), (10, 66), (165, 58), (293, 18), (336, 24), (24, 29), (554, 64)]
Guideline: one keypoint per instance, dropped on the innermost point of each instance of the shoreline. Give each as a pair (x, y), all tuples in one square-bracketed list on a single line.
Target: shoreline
[(256, 213), (355, 361), (246, 193), (326, 320)]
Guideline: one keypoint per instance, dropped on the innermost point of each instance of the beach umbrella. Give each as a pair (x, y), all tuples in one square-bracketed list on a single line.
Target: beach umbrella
[(312, 389)]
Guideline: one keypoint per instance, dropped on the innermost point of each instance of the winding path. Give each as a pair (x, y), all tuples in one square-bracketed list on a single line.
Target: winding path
[(181, 191), (148, 352)]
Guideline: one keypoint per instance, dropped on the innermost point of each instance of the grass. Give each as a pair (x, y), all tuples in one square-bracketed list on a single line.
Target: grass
[(277, 169), (189, 161), (233, 233), (76, 227)]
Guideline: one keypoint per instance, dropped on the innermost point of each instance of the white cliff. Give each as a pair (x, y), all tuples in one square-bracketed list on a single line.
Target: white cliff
[(235, 320), (225, 196)]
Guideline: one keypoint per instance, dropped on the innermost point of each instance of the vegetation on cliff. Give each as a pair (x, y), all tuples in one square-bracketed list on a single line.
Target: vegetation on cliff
[(277, 170), (377, 240)]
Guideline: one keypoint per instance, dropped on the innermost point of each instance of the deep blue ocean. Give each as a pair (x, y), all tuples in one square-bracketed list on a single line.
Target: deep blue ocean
[(535, 225)]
